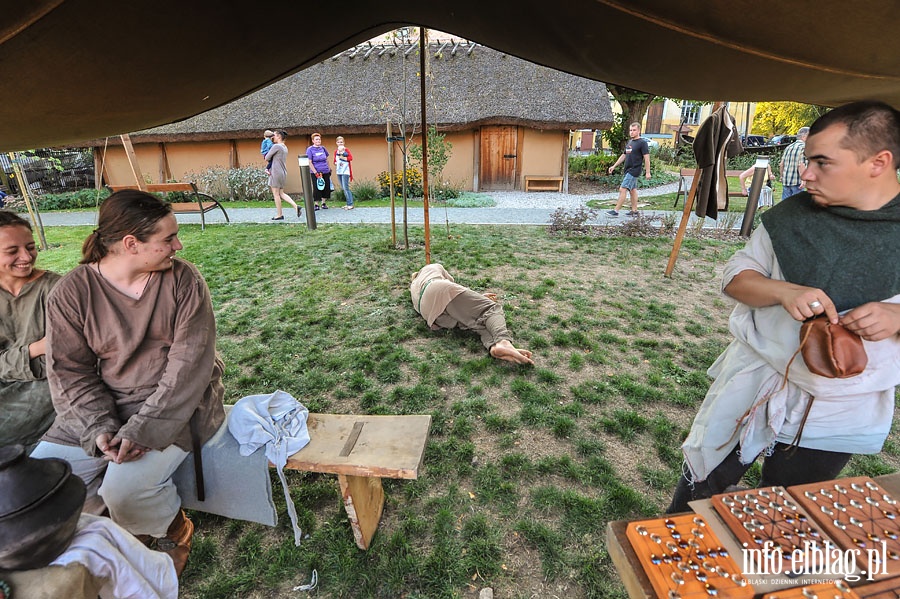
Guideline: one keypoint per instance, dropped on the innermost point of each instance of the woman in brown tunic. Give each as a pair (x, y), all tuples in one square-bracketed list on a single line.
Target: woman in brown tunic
[(25, 407), (133, 369)]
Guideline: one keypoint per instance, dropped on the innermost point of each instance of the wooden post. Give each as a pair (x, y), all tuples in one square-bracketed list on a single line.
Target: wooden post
[(235, 162), (99, 167), (682, 226), (164, 172), (423, 49), (30, 204), (391, 182), (132, 162), (565, 164)]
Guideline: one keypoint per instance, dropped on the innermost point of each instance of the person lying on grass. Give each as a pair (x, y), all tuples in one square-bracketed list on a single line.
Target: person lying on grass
[(445, 304)]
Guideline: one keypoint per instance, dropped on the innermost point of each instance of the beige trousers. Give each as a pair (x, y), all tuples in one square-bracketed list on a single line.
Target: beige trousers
[(140, 495), (471, 311)]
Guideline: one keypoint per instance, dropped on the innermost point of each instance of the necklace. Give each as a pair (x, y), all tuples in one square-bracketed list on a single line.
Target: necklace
[(137, 294)]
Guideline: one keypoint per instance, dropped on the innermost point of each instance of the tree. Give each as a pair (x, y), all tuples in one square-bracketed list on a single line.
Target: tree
[(634, 106), (398, 106), (773, 118), (439, 151)]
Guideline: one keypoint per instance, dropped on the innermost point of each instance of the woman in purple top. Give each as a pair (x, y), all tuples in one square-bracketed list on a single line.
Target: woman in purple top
[(319, 170)]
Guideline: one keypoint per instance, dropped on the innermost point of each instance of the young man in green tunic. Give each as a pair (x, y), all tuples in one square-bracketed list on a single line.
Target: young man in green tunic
[(831, 250)]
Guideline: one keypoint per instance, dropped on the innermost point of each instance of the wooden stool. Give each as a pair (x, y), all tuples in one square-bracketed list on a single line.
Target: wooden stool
[(362, 450)]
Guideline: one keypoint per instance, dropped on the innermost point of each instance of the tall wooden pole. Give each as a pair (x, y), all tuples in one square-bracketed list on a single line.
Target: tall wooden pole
[(30, 204), (423, 50), (391, 182), (682, 226)]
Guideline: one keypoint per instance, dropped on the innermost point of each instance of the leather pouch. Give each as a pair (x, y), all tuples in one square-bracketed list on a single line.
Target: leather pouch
[(830, 350)]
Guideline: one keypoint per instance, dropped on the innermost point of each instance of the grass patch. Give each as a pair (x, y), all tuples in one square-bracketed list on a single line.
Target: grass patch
[(524, 466)]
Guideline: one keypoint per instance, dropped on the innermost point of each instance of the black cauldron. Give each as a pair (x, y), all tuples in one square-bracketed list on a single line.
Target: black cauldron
[(40, 502)]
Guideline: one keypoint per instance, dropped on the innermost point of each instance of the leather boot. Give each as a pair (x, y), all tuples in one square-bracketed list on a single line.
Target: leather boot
[(177, 542)]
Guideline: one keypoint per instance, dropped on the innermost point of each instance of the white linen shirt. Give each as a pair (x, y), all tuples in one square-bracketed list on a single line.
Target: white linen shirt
[(749, 403)]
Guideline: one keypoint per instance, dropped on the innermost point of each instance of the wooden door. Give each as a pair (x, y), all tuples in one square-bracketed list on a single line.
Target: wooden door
[(654, 117), (587, 141), (498, 158)]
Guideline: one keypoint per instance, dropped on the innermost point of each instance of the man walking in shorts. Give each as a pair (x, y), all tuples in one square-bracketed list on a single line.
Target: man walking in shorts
[(637, 154)]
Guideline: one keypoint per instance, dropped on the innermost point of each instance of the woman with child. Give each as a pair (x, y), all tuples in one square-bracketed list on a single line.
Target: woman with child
[(344, 170), (277, 157)]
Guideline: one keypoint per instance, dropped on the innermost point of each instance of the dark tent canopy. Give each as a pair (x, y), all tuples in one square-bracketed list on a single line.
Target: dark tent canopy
[(81, 69)]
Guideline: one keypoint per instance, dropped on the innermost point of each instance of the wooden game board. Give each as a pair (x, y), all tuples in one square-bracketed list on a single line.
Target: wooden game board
[(684, 559), (861, 518), (758, 516)]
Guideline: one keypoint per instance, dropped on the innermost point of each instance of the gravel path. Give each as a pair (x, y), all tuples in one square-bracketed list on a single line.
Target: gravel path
[(513, 208), (552, 200)]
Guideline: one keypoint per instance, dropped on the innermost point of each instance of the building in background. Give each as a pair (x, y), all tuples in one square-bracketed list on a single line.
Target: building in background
[(506, 118)]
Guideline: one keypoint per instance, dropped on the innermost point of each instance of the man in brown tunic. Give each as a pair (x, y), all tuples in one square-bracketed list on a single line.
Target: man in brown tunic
[(133, 370), (445, 304)]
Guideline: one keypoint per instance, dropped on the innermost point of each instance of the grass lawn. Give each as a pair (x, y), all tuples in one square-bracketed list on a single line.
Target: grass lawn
[(525, 465)]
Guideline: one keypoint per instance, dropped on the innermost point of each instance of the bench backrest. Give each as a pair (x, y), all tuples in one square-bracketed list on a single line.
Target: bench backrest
[(160, 187)]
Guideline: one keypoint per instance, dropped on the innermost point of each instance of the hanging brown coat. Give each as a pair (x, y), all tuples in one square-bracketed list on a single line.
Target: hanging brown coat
[(717, 140)]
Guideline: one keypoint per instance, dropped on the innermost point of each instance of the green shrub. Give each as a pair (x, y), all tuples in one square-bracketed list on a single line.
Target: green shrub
[(745, 160), (445, 191), (683, 156), (413, 182), (248, 183), (657, 177), (212, 181), (574, 223), (72, 200), (591, 164), (364, 191)]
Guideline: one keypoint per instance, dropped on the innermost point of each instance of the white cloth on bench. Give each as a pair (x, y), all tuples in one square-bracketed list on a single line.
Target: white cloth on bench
[(277, 422), (237, 485)]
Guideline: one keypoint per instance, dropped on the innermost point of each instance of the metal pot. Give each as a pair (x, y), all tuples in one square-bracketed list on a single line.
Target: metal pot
[(39, 508)]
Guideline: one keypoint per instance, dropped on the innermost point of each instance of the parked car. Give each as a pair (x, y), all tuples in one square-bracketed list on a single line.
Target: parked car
[(782, 140), (752, 141), (651, 143)]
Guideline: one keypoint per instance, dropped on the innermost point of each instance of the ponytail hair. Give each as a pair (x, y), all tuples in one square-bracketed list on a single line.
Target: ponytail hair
[(126, 212)]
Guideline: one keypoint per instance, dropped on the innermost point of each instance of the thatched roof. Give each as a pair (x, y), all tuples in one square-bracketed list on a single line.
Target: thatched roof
[(357, 90)]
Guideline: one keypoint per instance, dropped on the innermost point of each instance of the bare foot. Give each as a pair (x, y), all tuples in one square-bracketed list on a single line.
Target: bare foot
[(504, 350)]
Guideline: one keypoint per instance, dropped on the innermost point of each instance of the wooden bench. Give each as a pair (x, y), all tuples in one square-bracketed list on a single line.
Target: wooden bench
[(200, 202), (686, 177), (543, 183), (362, 450)]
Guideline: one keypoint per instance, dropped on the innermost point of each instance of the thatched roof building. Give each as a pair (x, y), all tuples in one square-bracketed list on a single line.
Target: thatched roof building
[(357, 90), (506, 118)]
